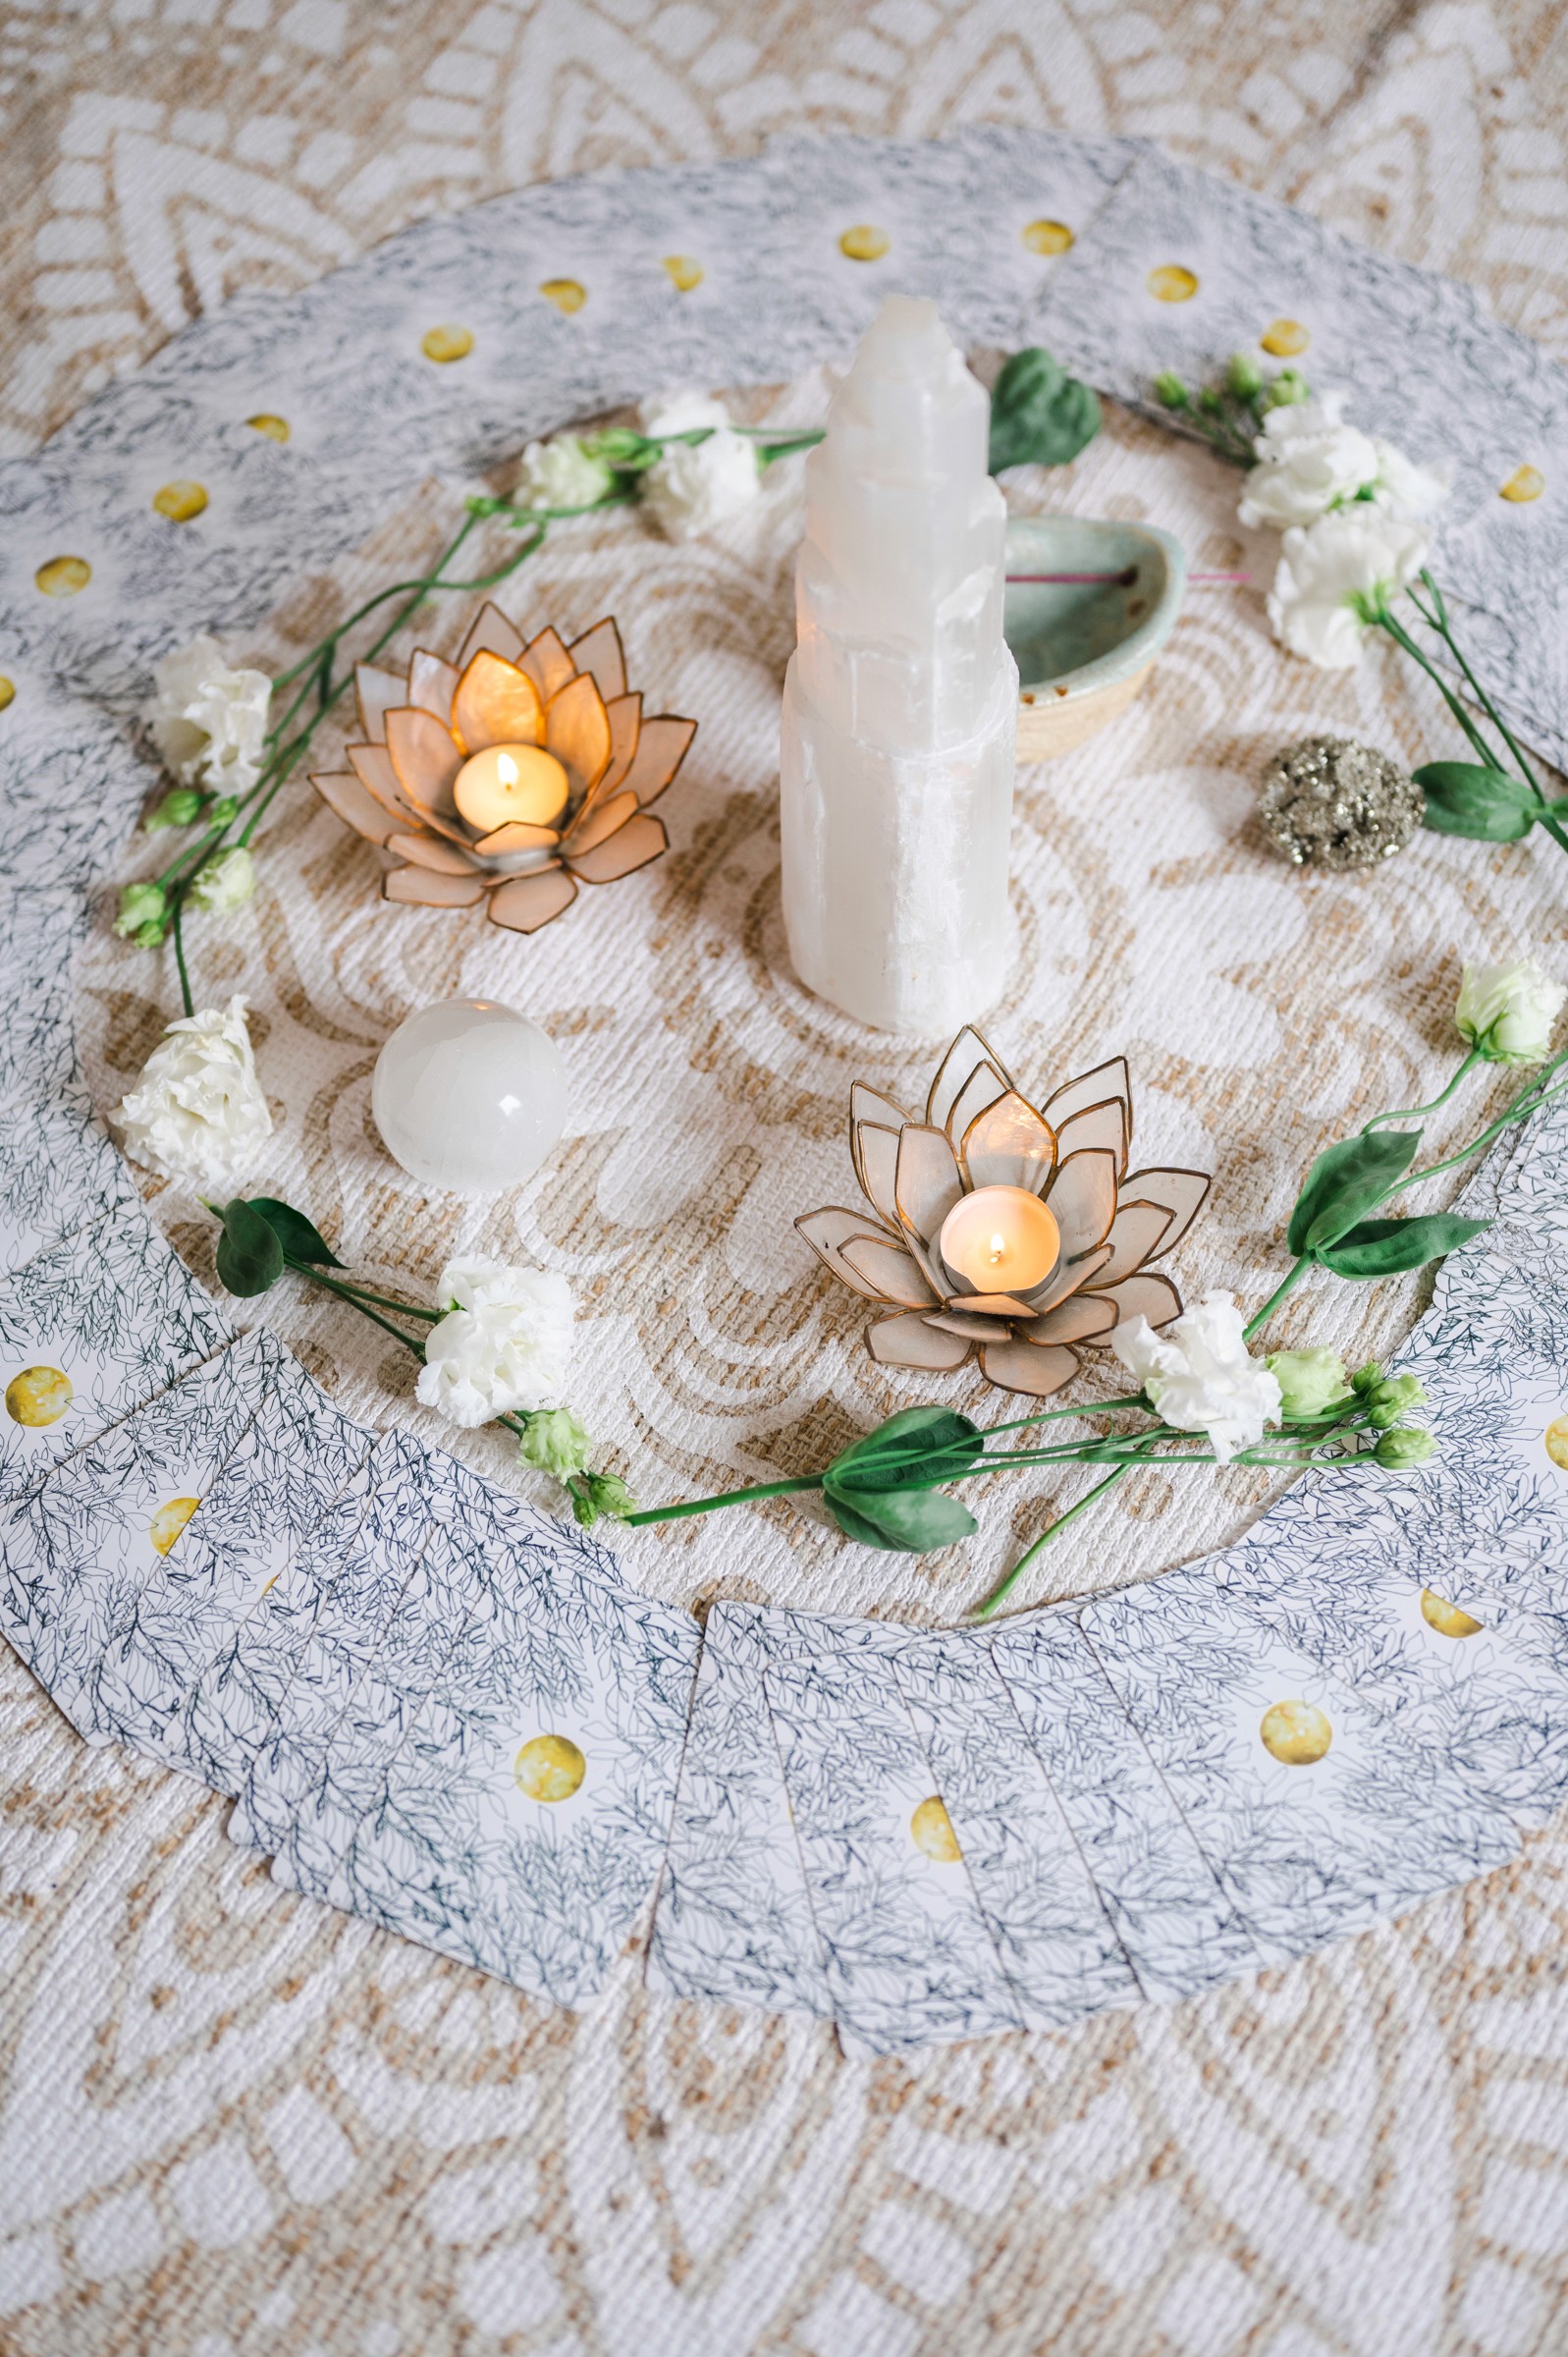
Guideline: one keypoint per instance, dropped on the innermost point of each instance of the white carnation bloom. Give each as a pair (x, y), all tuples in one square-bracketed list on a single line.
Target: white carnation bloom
[(198, 1111), (1333, 576), (1508, 1011), (1405, 489), (503, 1345), (1200, 1377), (210, 723), (562, 473), (1309, 460), (225, 882), (695, 485)]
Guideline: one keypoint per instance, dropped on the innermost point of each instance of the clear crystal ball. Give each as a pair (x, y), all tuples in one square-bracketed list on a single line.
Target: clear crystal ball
[(469, 1096)]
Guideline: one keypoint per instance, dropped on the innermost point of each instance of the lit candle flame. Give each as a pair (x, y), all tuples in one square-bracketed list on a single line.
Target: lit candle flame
[(999, 1245), (505, 769)]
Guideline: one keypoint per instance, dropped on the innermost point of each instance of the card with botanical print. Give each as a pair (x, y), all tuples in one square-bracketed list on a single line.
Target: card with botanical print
[(734, 1924), (90, 1330), (1179, 1929), (345, 1606), (298, 1454), (1318, 1816), (911, 1959), (60, 1172), (520, 1825), (1493, 1702), (80, 1545), (994, 1804), (40, 927)]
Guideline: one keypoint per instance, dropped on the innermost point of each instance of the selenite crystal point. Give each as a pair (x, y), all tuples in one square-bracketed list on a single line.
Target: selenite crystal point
[(469, 1096), (1328, 802)]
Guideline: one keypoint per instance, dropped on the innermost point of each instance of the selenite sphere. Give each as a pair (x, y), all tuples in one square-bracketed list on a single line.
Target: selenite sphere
[(469, 1096)]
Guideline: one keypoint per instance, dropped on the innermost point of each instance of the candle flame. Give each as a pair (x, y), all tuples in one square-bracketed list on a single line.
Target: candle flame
[(999, 1245), (506, 770)]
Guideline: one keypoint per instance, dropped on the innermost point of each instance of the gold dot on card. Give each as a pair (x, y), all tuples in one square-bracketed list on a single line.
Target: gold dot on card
[(549, 1768), (38, 1395), (63, 576), (276, 429), (444, 344), (1172, 282), (1048, 237), (170, 1520), (930, 1831), (1523, 485), (179, 500), (1284, 338), (865, 243), (684, 272), (564, 292), (8, 692), (1296, 1733), (1446, 1618)]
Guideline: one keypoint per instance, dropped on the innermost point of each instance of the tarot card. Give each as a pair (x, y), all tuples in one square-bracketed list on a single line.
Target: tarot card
[(732, 1923), (1052, 1930), (77, 1547), (1179, 1929), (1318, 1816), (520, 1825), (298, 1454), (90, 1330), (59, 1173)]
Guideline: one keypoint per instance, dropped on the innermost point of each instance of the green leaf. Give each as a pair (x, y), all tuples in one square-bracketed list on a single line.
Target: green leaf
[(299, 1237), (1467, 797), (1039, 413), (1382, 1247), (250, 1255), (899, 1521), (1345, 1181), (931, 1444)]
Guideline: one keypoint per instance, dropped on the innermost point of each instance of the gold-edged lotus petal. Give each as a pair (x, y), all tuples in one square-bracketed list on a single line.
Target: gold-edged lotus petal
[(1037, 1369), (578, 732), (1069, 1278), (1136, 1234), (522, 904), (372, 766), (1082, 1198), (914, 1342), (956, 1071), (889, 1270), (517, 835), (1008, 1145), (1146, 1295), (973, 1327), (375, 692), (491, 635), (343, 795), (418, 888), (600, 821), (868, 1104), (430, 852), (625, 727), (640, 840), (1182, 1192), (1108, 1079), (432, 685), (874, 1152), (599, 651), (424, 757), (1081, 1319), (927, 1183), (496, 703), (661, 745), (827, 1231), (546, 661), (1103, 1125), (991, 1305), (983, 1087)]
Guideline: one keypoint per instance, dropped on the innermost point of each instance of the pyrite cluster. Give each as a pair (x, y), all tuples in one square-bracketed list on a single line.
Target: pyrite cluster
[(1328, 802)]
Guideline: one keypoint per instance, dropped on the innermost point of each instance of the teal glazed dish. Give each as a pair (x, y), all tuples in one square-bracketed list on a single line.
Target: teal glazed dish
[(1085, 644)]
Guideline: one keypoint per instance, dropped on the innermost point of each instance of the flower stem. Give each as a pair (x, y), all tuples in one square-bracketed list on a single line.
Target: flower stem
[(349, 1293), (1414, 1113), (988, 1604), (186, 999), (1276, 1296), (706, 1505)]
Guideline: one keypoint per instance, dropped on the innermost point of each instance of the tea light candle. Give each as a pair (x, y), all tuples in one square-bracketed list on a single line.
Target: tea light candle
[(508, 782), (1002, 1239)]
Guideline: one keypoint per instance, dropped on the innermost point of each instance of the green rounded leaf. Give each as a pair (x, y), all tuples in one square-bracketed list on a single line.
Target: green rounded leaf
[(899, 1521), (1345, 1181), (913, 1449), (1039, 413), (1467, 797), (250, 1255), (299, 1237), (1384, 1248)]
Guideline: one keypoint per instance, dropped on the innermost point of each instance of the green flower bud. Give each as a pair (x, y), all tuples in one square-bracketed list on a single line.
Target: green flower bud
[(1405, 1444), (1365, 1377), (227, 806), (144, 914), (620, 446), (225, 882), (601, 1493), (1169, 388), (1310, 1381), (1393, 1396), (553, 1441), (1210, 402), (1287, 390), (1243, 376), (181, 808)]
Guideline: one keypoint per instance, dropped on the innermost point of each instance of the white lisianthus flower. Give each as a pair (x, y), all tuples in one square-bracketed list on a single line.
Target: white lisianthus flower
[(225, 882), (1507, 1012), (563, 473), (1405, 489), (1308, 462), (1333, 579), (694, 486), (209, 723), (198, 1111), (503, 1345), (1200, 1377)]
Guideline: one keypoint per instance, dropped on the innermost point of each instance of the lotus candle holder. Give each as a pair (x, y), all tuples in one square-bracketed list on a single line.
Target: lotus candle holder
[(980, 1132), (574, 760)]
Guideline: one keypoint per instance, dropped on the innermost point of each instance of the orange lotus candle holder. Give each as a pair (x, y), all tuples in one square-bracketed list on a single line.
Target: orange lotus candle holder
[(510, 776)]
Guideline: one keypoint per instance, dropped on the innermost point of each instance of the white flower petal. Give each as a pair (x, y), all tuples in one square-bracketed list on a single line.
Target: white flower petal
[(503, 1343), (198, 1111)]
